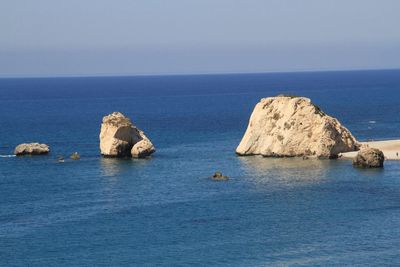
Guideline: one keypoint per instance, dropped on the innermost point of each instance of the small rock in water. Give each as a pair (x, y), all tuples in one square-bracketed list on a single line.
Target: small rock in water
[(143, 148), (31, 149), (60, 159), (369, 158), (75, 156), (219, 177)]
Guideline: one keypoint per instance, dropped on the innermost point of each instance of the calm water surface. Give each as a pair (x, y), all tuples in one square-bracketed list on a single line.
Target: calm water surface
[(165, 211)]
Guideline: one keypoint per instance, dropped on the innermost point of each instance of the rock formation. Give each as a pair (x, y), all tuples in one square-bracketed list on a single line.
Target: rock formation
[(369, 158), (31, 149), (143, 148), (75, 156), (120, 138), (286, 126), (217, 176)]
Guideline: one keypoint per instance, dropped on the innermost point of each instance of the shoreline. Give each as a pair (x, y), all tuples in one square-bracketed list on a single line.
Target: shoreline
[(388, 147)]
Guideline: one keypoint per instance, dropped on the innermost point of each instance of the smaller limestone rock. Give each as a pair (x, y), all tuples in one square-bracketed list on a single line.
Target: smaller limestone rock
[(31, 149), (75, 156), (143, 148), (119, 137), (219, 177), (369, 158)]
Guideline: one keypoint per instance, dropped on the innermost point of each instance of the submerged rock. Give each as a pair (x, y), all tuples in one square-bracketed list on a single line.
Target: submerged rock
[(286, 126), (369, 158), (32, 149), (219, 177), (118, 137), (75, 156)]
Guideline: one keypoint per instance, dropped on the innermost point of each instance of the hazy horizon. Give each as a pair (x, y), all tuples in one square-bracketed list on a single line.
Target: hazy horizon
[(98, 38), (105, 75)]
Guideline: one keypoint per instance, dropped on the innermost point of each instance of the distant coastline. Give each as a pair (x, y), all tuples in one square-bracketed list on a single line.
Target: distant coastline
[(107, 75), (390, 148)]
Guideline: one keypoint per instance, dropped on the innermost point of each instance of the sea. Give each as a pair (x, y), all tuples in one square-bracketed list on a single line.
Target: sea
[(165, 210)]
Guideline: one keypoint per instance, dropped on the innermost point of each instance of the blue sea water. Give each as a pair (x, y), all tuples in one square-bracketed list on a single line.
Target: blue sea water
[(164, 211)]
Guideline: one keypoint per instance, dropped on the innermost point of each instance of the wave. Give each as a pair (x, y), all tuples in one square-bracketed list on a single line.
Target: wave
[(7, 156)]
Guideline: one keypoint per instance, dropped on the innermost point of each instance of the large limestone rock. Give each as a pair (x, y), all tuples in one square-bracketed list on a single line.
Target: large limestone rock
[(285, 126), (32, 149), (119, 138), (369, 158)]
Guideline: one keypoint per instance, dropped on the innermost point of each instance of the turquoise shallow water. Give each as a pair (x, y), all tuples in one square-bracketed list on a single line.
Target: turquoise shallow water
[(165, 211)]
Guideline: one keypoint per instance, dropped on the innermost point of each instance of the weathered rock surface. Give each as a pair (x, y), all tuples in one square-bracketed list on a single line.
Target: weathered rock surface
[(285, 126), (32, 149), (118, 137), (369, 158), (143, 148)]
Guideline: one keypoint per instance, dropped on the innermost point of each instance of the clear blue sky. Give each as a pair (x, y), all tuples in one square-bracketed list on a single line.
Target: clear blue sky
[(124, 37)]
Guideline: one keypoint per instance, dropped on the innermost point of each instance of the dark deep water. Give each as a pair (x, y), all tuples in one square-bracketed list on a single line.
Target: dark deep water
[(164, 211)]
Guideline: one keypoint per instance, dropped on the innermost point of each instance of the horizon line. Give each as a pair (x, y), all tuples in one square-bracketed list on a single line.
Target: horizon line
[(190, 74)]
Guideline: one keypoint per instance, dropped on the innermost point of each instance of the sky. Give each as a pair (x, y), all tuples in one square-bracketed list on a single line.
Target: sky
[(130, 37)]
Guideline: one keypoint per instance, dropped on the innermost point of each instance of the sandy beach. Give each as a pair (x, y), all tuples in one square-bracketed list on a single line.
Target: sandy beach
[(388, 147)]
